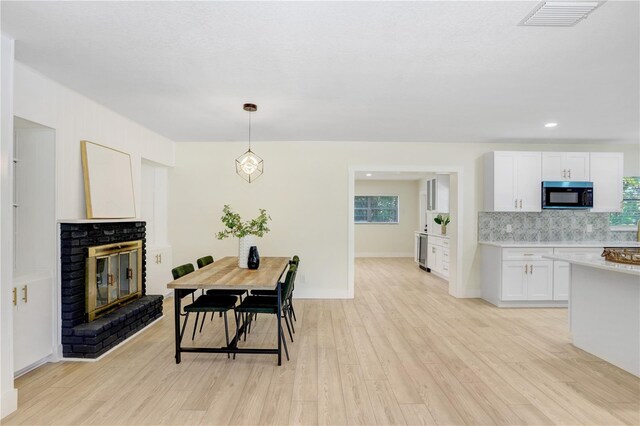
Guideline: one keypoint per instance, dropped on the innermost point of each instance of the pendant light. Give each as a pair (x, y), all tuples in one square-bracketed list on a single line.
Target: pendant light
[(249, 166)]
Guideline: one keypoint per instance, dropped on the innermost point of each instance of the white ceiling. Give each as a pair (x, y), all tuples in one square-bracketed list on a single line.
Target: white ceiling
[(346, 71)]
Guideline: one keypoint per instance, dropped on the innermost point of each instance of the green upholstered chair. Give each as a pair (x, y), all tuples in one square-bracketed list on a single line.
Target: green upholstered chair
[(204, 304), (269, 304), (295, 260), (207, 260)]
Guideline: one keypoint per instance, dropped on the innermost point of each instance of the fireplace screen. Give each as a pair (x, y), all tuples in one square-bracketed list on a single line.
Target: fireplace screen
[(114, 277)]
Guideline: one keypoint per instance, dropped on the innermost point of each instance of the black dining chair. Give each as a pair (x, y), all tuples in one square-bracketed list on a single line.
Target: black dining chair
[(269, 305), (204, 304), (207, 260), (292, 313)]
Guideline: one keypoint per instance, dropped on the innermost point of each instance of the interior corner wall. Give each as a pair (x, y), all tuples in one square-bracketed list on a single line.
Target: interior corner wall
[(8, 394), (389, 239), (305, 190), (75, 117)]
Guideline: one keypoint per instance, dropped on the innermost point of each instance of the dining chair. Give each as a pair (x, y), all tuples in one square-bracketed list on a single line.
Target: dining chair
[(203, 304), (207, 260), (269, 305), (295, 260)]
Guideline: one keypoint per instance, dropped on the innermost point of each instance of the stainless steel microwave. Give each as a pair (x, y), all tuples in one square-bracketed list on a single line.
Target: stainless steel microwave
[(567, 195)]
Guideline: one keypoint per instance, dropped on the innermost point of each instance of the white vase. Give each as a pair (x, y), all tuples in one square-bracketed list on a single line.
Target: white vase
[(244, 244)]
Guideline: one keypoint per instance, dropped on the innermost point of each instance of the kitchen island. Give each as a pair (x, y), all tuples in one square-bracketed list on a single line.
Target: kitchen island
[(604, 309)]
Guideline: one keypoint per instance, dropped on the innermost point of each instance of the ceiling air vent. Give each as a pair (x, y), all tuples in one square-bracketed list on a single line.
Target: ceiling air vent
[(559, 13)]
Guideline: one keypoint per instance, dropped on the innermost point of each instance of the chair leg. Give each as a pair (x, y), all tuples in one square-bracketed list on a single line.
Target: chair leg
[(288, 312), (284, 343), (292, 310), (202, 323), (286, 321), (195, 326), (226, 330), (184, 325)]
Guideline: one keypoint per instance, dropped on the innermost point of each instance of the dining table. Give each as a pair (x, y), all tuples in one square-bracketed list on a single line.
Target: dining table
[(225, 274)]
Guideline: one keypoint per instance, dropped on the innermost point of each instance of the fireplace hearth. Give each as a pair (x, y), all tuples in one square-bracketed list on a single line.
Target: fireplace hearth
[(103, 279)]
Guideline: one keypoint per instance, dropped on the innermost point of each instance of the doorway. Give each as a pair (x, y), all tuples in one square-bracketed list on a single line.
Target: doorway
[(424, 215)]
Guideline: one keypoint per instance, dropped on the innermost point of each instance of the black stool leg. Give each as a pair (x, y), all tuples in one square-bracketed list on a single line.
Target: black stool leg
[(292, 311), (235, 315)]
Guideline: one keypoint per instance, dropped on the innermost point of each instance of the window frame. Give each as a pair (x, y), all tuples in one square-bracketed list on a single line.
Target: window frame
[(629, 227), (369, 209)]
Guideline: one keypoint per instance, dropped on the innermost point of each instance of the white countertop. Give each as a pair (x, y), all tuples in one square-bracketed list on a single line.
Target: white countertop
[(597, 262), (561, 244), (430, 234)]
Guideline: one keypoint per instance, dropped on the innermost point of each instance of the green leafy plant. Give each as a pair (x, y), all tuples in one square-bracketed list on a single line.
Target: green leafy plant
[(237, 228), (442, 220)]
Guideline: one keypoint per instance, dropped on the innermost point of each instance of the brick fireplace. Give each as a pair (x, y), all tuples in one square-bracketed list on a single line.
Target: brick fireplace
[(82, 338)]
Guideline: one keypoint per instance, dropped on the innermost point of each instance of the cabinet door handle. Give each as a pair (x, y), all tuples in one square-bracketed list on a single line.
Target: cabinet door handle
[(15, 296), (25, 298), (569, 173), (531, 269), (516, 205), (160, 257), (564, 173), (525, 269), (520, 203)]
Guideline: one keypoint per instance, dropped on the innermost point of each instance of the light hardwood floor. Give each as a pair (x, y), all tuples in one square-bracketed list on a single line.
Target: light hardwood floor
[(402, 352)]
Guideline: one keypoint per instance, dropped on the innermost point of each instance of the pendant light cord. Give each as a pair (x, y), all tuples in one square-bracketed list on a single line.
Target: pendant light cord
[(249, 130)]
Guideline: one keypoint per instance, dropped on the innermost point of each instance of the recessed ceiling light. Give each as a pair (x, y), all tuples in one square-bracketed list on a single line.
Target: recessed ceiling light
[(549, 125), (368, 175)]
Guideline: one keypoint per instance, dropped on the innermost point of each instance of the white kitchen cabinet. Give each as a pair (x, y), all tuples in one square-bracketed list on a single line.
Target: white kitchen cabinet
[(416, 247), (607, 171), (33, 313), (527, 280), (513, 181), (438, 194), (514, 283), (438, 255), (159, 265), (539, 277), (565, 166)]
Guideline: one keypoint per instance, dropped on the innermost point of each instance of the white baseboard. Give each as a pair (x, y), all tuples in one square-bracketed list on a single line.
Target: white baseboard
[(124, 342), (8, 402), (384, 254), (321, 294), (473, 294)]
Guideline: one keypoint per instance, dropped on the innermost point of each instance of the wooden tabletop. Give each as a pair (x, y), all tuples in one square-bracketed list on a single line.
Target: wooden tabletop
[(225, 274)]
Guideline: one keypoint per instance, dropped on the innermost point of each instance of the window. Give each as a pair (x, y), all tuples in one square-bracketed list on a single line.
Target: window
[(376, 209), (630, 213)]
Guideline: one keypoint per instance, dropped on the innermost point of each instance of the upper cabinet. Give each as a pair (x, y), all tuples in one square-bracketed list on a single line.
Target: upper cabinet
[(513, 181), (607, 171), (438, 194), (565, 166)]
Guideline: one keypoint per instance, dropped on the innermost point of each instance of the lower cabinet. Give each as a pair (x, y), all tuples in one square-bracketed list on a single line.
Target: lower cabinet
[(438, 255), (527, 280), (561, 278), (159, 265), (32, 313)]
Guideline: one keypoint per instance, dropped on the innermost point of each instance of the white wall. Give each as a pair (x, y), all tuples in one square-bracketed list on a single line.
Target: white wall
[(8, 394), (389, 239), (305, 190), (74, 118)]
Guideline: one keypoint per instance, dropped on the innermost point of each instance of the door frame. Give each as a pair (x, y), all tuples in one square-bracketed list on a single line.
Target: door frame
[(456, 284)]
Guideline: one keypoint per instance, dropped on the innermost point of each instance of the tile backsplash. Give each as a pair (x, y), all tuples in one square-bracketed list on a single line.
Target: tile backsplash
[(557, 225)]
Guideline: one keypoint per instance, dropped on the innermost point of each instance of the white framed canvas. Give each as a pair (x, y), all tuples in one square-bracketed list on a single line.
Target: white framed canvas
[(108, 182)]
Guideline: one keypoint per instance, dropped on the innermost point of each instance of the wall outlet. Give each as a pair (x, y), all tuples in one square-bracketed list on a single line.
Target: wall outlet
[(509, 229), (589, 228)]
